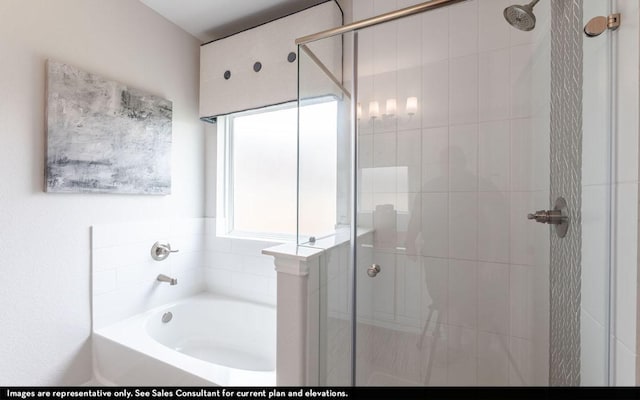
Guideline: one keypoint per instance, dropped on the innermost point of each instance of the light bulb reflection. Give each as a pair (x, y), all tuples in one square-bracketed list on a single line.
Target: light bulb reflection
[(412, 105), (374, 109), (390, 109)]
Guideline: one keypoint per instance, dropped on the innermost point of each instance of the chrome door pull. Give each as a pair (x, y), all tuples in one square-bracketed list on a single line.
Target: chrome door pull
[(373, 270)]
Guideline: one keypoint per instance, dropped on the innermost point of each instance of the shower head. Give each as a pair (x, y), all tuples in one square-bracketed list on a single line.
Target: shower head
[(521, 17)]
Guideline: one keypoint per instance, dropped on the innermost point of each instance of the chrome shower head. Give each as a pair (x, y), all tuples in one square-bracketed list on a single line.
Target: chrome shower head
[(521, 17)]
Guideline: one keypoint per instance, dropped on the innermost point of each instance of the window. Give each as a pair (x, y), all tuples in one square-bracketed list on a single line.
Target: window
[(257, 168)]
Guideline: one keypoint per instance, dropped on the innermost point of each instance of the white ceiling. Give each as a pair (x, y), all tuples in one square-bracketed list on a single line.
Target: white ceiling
[(212, 19)]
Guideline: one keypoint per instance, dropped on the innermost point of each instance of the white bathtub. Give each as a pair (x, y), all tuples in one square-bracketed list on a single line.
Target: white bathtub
[(210, 339)]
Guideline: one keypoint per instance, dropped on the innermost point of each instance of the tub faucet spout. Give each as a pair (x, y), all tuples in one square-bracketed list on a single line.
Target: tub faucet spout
[(164, 278)]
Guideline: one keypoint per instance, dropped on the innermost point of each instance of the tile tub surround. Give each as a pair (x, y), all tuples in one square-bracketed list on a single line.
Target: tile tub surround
[(124, 274), (237, 267)]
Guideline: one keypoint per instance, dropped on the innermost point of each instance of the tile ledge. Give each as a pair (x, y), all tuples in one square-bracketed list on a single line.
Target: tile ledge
[(293, 259)]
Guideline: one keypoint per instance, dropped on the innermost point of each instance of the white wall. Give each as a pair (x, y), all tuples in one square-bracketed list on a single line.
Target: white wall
[(44, 239)]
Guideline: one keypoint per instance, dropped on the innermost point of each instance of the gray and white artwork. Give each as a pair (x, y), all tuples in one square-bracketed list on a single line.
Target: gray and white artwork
[(103, 136)]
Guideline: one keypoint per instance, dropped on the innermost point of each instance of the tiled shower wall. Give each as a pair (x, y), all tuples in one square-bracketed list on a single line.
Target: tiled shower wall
[(124, 274), (463, 292)]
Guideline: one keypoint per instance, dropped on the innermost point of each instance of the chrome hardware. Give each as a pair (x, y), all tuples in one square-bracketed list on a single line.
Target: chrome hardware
[(373, 270), (558, 217), (166, 317), (551, 217), (597, 25), (169, 280), (380, 19), (160, 251)]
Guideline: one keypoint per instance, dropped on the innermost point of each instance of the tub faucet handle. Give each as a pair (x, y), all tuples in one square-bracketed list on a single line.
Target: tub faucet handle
[(161, 250)]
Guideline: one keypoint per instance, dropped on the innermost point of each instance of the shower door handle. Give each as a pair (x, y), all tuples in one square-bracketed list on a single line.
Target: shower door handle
[(373, 270)]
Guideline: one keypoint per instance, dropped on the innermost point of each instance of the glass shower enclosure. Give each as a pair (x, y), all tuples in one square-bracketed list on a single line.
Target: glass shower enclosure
[(454, 134)]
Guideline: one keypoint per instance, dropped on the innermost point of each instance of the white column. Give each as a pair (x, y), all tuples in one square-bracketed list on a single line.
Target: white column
[(297, 314)]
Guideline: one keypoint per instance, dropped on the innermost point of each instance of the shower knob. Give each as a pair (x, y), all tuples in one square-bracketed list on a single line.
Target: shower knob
[(559, 217), (552, 217), (373, 270)]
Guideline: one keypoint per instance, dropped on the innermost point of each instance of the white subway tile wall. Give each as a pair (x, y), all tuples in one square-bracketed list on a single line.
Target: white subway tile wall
[(124, 274), (236, 266)]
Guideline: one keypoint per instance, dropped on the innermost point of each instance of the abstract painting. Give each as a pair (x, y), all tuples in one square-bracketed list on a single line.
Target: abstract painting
[(105, 137)]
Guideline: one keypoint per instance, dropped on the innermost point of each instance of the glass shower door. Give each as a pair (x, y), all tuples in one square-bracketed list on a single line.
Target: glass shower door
[(453, 154)]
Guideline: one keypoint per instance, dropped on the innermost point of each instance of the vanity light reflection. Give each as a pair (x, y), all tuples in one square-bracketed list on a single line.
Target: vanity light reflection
[(390, 108)]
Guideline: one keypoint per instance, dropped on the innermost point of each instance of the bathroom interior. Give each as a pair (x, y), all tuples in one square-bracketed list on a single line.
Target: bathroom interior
[(366, 193)]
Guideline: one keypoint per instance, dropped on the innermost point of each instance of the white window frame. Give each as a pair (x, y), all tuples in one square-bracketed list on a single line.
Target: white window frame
[(224, 176), (224, 186)]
